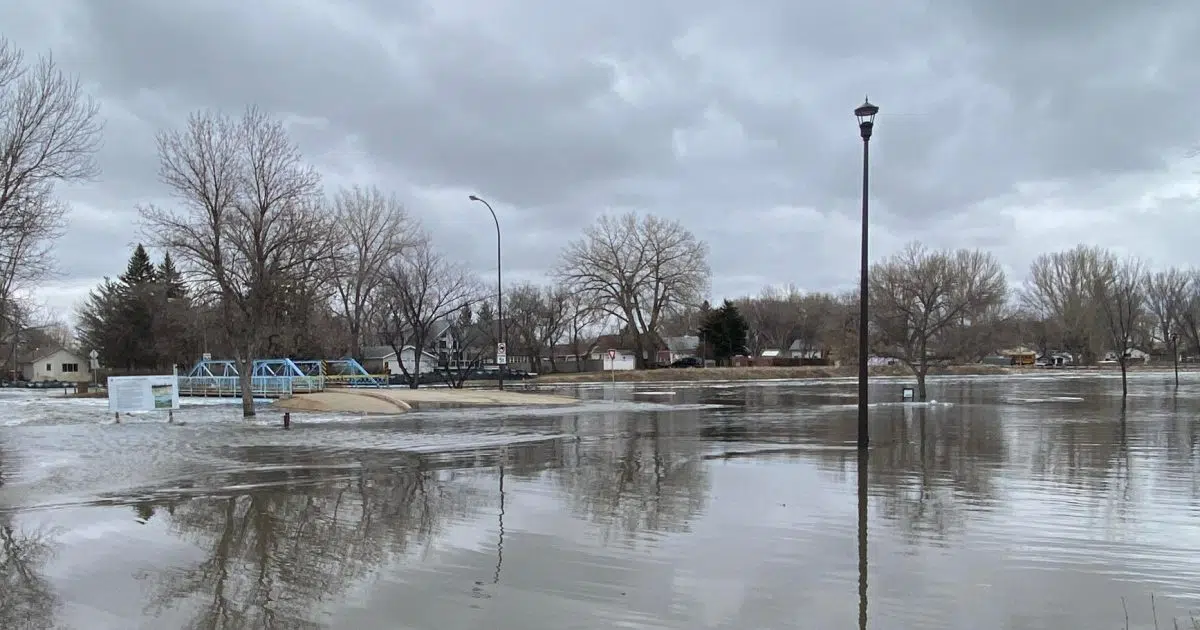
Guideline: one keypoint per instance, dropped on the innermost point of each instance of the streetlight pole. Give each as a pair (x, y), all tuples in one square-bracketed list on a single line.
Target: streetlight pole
[(1175, 356), (866, 123), (499, 293)]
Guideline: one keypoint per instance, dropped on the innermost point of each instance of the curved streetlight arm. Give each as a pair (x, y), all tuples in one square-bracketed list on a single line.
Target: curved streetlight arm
[(499, 285)]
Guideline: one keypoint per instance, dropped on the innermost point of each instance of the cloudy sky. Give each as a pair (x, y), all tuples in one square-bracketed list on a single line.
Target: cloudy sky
[(1015, 126)]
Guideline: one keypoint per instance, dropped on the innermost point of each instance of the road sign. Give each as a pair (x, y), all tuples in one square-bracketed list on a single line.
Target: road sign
[(93, 354), (501, 354), (612, 355)]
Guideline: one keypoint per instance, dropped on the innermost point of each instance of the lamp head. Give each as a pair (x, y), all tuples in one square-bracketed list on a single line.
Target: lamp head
[(866, 118)]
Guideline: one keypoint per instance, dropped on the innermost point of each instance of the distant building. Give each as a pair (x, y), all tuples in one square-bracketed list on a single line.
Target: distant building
[(57, 364), (382, 360)]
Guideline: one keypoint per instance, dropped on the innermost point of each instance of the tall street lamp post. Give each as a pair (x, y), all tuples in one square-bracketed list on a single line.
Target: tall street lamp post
[(866, 123), (1175, 356), (500, 356)]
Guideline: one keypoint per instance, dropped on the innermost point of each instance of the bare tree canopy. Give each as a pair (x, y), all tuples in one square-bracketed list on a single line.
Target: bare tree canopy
[(373, 229), (49, 133), (1166, 301), (1059, 291), (1118, 294), (537, 319), (637, 268), (249, 229), (420, 288), (919, 297)]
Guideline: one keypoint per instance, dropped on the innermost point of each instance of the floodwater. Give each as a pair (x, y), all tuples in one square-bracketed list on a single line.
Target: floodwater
[(1018, 502)]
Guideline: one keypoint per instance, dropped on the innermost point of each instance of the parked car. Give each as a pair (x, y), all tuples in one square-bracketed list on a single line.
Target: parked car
[(687, 362)]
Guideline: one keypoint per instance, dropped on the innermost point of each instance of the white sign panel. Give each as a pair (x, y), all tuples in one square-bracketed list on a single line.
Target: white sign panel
[(142, 393), (501, 354)]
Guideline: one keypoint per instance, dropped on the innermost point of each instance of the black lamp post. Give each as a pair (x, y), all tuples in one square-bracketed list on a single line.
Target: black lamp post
[(866, 123), (499, 293), (1175, 356)]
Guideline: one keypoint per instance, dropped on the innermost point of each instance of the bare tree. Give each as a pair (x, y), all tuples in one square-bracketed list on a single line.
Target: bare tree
[(537, 316), (919, 296), (637, 268), (49, 133), (374, 228), (420, 288), (1189, 313), (772, 316), (1059, 291), (465, 357), (1166, 301), (1118, 292), (813, 312), (580, 319), (250, 227)]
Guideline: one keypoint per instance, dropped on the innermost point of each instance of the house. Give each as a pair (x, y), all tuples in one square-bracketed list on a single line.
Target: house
[(439, 343), (805, 350), (626, 359), (56, 364), (382, 360), (1055, 359), (1133, 355), (678, 348)]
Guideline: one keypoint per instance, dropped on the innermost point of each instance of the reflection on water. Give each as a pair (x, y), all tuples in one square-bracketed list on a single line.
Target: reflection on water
[(1014, 503)]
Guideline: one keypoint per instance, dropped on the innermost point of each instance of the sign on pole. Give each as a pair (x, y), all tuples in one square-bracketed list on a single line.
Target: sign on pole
[(501, 354), (142, 393), (94, 360), (612, 359)]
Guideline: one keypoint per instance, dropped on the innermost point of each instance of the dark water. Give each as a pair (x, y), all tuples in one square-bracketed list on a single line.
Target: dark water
[(1024, 503)]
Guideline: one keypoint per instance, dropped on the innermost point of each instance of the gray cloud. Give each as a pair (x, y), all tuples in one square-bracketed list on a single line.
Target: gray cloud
[(735, 120)]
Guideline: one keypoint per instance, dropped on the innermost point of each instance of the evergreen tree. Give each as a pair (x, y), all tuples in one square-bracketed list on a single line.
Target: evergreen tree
[(140, 271), (724, 330), (135, 319), (173, 318), (96, 327), (170, 278)]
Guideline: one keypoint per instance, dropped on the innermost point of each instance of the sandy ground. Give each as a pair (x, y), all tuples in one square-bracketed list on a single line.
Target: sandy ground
[(400, 400)]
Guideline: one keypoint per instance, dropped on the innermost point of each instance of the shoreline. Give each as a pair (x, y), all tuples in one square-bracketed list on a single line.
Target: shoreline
[(715, 374)]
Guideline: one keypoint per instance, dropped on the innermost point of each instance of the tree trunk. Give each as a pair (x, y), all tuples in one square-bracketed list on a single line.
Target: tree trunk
[(1124, 382), (245, 384), (921, 371)]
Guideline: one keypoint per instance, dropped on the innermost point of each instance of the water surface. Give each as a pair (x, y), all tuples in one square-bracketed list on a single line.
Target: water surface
[(1033, 502)]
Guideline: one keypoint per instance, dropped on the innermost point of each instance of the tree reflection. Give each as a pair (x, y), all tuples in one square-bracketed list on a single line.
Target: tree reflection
[(275, 555), (927, 467), (648, 477), (27, 600)]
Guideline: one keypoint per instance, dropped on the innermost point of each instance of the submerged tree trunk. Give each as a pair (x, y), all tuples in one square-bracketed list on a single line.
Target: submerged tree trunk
[(245, 384), (920, 369), (1124, 381)]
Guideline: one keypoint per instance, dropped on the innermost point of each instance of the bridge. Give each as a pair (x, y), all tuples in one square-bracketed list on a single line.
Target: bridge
[(275, 378)]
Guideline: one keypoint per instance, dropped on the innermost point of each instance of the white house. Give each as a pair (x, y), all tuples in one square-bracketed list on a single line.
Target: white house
[(625, 360), (382, 360), (57, 365)]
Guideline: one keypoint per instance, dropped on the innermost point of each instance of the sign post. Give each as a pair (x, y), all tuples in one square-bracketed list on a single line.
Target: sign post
[(612, 368), (93, 365), (501, 354)]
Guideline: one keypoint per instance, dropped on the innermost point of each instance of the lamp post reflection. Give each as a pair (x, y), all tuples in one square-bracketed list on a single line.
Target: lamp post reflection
[(862, 539), (500, 540)]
